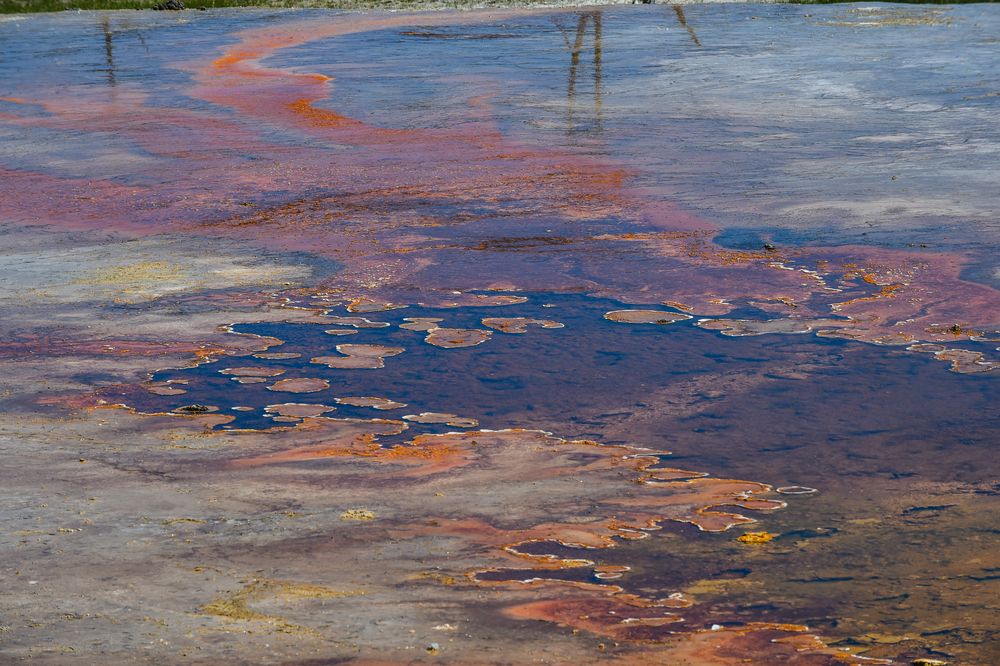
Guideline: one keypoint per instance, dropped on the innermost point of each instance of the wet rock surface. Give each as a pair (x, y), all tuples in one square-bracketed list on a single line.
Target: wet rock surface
[(682, 348)]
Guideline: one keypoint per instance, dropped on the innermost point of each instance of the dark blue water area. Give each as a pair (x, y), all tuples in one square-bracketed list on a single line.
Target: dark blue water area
[(797, 406)]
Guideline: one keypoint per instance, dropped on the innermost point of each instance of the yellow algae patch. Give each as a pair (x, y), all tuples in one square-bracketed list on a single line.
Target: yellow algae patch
[(744, 327), (518, 324), (645, 316), (298, 409), (368, 305), (450, 338), (135, 271), (364, 357), (341, 331), (438, 417), (277, 356), (370, 401), (299, 385), (421, 323), (237, 606), (436, 576), (755, 537), (356, 322), (358, 514), (129, 274)]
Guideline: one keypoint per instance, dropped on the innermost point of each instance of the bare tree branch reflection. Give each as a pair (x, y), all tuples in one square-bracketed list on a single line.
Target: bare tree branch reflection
[(683, 21), (594, 18)]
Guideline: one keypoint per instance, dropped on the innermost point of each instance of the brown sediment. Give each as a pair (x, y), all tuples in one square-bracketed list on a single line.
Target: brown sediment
[(463, 300), (963, 361), (518, 324), (276, 356), (356, 322), (368, 305), (606, 616), (754, 642), (298, 409), (450, 338), (645, 316), (299, 385), (886, 340), (166, 390), (421, 323), (369, 401), (249, 371), (196, 409), (742, 327), (168, 387), (366, 357), (337, 438), (58, 347), (440, 417), (341, 331)]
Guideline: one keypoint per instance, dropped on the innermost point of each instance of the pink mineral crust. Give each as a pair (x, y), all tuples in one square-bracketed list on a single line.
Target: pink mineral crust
[(299, 385)]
